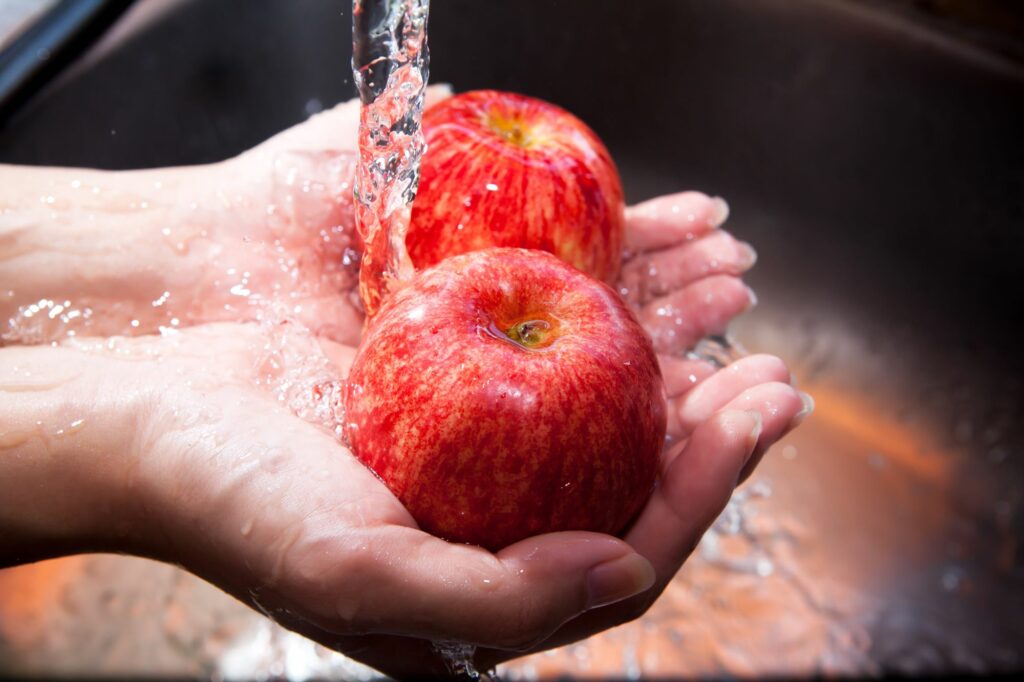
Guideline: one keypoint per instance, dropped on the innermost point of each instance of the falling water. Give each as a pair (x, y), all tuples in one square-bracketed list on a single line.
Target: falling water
[(390, 64)]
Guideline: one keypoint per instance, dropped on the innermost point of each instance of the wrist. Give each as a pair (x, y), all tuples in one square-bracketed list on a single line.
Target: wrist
[(78, 241), (63, 456)]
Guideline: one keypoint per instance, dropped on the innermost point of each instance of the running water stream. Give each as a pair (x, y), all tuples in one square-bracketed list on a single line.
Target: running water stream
[(390, 65)]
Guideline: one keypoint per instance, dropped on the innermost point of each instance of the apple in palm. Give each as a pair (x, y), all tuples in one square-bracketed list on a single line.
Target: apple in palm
[(503, 169), (503, 393)]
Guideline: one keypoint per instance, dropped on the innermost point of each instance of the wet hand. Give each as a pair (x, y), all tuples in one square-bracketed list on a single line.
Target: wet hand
[(127, 252), (216, 473), (270, 507), (227, 481)]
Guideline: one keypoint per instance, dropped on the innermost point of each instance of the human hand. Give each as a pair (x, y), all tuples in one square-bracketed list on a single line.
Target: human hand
[(209, 467), (695, 279), (174, 247)]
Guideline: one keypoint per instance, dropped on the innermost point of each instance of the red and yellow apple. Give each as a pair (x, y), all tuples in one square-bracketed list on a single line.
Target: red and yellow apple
[(503, 393), (503, 169)]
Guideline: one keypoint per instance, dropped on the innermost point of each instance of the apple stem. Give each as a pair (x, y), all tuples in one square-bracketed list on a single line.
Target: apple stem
[(529, 333)]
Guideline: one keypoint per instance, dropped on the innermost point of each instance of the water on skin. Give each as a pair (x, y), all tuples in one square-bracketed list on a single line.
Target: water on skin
[(233, 268)]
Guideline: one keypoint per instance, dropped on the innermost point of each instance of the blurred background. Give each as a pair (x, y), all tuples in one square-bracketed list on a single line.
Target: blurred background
[(870, 149)]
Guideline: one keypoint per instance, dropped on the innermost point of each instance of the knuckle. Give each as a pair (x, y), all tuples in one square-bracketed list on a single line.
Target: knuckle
[(537, 616), (325, 575), (515, 622), (530, 630)]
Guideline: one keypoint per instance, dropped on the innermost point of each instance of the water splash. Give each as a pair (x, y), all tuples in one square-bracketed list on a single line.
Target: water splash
[(390, 65), (294, 368), (458, 658), (720, 350)]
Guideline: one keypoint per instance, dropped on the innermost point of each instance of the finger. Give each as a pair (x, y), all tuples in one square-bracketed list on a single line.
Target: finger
[(672, 219), (661, 272), (677, 321), (728, 383), (682, 374), (691, 494), (788, 416), (407, 582), (695, 489), (782, 407)]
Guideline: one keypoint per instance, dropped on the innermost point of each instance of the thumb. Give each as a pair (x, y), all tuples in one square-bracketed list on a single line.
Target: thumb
[(414, 584)]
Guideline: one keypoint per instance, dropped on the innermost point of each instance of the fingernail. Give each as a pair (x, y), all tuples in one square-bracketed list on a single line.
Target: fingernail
[(719, 212), (804, 412), (755, 433), (618, 579), (752, 297), (747, 256)]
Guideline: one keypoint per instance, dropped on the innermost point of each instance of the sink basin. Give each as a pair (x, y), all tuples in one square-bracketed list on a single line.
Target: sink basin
[(878, 167)]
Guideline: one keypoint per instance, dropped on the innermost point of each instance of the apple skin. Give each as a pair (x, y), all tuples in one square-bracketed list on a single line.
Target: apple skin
[(503, 169), (488, 441)]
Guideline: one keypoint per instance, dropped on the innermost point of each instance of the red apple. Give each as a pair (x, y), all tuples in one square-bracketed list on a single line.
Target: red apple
[(503, 393), (503, 169)]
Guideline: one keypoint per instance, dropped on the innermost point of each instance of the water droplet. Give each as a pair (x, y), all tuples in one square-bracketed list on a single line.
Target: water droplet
[(313, 106)]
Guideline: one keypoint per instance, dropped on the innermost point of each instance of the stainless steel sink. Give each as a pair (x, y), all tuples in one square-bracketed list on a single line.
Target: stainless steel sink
[(878, 166)]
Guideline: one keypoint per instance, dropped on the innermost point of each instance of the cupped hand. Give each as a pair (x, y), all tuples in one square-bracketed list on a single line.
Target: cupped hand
[(226, 480)]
